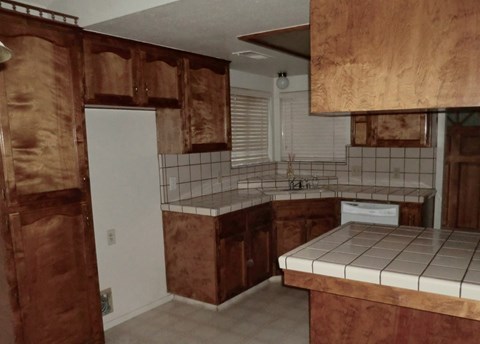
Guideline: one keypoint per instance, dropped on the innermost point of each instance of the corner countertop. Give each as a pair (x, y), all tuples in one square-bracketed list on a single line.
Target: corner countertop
[(260, 190), (423, 259)]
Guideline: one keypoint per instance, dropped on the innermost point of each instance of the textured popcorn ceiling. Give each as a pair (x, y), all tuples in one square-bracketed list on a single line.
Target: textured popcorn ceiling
[(210, 27)]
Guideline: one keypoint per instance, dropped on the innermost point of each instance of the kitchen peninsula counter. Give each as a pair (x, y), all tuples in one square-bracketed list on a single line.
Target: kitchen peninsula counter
[(376, 283)]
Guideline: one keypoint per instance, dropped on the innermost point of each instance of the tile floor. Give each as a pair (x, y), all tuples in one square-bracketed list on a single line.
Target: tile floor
[(274, 314)]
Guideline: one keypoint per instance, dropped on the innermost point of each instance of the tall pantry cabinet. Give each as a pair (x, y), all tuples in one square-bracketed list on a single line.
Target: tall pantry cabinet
[(48, 273)]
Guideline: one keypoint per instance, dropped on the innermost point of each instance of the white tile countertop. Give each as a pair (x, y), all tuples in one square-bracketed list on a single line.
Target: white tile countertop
[(225, 202), (219, 203), (425, 259)]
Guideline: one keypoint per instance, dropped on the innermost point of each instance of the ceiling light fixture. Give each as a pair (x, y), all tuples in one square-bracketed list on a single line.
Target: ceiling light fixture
[(282, 81), (5, 53)]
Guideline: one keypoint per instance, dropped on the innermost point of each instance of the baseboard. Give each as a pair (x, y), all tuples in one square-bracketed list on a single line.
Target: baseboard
[(233, 300), (117, 321)]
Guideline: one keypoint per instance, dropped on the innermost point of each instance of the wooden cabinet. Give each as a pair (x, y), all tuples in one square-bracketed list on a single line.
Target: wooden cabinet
[(212, 259), (47, 245), (411, 214), (299, 221), (124, 72), (394, 55), (56, 275), (413, 130), (203, 122)]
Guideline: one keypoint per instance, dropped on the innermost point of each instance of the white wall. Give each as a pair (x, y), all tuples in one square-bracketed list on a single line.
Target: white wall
[(126, 196)]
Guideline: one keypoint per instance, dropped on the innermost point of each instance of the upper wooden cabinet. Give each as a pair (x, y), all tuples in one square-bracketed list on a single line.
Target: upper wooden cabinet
[(412, 130), (203, 122), (124, 72), (394, 55), (41, 111)]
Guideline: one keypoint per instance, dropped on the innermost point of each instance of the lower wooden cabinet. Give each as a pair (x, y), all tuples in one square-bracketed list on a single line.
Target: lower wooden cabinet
[(56, 276), (212, 259), (299, 221), (411, 214)]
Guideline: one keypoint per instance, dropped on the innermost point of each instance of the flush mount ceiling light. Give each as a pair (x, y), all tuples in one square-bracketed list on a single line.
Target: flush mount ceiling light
[(282, 81), (5, 53)]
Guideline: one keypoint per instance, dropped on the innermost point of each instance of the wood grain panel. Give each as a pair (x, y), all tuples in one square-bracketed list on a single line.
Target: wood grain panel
[(51, 261), (44, 156), (232, 266), (436, 303), (162, 73), (461, 199), (394, 55), (338, 319), (289, 235), (110, 70), (260, 254), (190, 256), (172, 134)]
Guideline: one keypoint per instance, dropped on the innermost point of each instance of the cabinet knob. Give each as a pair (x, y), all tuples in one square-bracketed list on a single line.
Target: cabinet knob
[(135, 89), (250, 263), (146, 88)]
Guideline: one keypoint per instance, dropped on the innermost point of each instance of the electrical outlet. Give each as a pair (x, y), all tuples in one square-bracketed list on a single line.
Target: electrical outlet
[(172, 183), (111, 237), (106, 301)]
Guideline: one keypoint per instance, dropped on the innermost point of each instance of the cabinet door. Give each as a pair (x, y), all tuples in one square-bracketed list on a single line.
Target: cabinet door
[(289, 234), (111, 67), (162, 77), (56, 272), (411, 214), (41, 110), (259, 223), (406, 130), (319, 226), (209, 104), (232, 266), (401, 130), (260, 262)]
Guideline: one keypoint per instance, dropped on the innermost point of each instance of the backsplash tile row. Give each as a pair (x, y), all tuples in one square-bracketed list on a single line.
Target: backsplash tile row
[(201, 174), (396, 167)]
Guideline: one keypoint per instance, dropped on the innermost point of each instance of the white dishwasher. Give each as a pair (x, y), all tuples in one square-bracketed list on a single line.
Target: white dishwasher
[(379, 213)]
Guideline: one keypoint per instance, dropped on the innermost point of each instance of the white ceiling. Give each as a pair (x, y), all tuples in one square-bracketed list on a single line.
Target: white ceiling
[(208, 27)]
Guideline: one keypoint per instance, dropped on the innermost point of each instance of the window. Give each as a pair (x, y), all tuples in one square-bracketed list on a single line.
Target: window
[(312, 138), (249, 111)]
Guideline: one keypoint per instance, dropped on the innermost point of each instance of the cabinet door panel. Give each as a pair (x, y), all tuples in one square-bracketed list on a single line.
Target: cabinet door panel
[(411, 214), (162, 78), (209, 106), (401, 130), (232, 260), (110, 71), (42, 106), (289, 234), (317, 227), (55, 267), (260, 266)]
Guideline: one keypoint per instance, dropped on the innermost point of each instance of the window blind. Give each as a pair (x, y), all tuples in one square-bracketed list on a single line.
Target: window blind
[(311, 137), (249, 115)]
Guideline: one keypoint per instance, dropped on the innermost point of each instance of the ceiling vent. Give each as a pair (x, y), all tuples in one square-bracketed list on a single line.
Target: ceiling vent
[(252, 55)]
